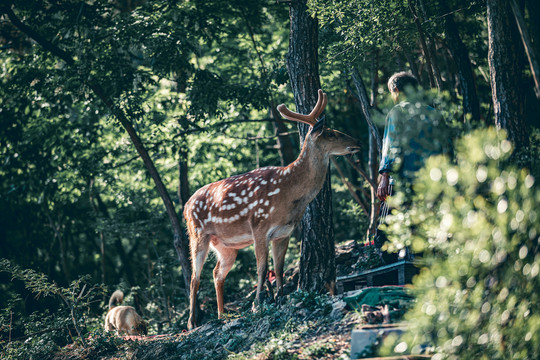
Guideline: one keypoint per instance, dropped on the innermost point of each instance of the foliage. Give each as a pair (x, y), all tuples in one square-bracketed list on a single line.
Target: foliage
[(77, 199), (196, 79), (76, 300), (476, 223)]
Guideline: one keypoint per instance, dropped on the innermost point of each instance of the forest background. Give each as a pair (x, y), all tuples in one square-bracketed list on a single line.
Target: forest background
[(113, 112)]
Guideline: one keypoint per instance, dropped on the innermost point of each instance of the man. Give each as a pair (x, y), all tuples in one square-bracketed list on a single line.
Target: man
[(413, 132), (410, 135)]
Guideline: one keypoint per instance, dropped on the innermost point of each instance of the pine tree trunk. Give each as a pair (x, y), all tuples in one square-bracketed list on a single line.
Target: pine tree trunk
[(505, 72), (375, 146), (460, 54), (527, 44), (427, 56), (533, 9), (183, 182), (317, 257), (373, 163)]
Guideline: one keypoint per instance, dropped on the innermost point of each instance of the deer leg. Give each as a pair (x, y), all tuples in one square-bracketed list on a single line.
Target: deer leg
[(279, 249), (261, 254), (224, 264), (199, 250)]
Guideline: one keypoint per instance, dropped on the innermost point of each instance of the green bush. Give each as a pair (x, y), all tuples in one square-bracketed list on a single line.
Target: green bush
[(476, 222), (45, 332)]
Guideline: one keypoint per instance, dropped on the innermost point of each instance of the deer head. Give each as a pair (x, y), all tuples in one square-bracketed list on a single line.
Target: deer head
[(330, 142), (260, 207)]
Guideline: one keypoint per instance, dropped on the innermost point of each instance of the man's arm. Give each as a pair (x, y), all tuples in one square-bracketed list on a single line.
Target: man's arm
[(383, 190), (388, 155)]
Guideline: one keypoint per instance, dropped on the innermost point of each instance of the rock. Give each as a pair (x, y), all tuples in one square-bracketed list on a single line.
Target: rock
[(338, 309), (365, 340), (231, 325)]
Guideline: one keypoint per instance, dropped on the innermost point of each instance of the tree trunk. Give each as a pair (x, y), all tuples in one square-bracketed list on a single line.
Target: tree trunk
[(432, 47), (412, 64), (365, 105), (533, 9), (101, 234), (460, 54), (373, 162), (375, 146), (317, 257), (527, 44), (427, 56), (505, 72), (183, 182), (374, 77)]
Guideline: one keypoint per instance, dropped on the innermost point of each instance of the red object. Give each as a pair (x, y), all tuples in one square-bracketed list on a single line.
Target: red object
[(271, 275)]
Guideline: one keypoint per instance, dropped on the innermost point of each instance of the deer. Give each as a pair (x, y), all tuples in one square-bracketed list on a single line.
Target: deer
[(260, 207)]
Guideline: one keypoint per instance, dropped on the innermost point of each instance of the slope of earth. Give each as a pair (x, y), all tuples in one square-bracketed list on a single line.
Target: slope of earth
[(304, 326)]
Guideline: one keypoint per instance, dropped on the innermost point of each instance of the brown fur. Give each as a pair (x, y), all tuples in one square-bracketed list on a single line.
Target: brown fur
[(124, 319)]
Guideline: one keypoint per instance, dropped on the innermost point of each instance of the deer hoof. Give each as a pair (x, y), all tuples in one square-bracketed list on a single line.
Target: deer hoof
[(255, 306)]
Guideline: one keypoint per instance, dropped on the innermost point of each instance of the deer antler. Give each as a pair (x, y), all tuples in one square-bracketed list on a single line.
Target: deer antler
[(310, 119)]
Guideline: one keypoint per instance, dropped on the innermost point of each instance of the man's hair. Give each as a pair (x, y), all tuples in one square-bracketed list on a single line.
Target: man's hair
[(401, 81)]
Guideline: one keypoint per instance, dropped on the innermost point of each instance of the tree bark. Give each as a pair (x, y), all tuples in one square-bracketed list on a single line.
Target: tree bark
[(183, 181), (317, 257), (180, 241), (460, 54), (505, 72), (373, 162), (375, 146)]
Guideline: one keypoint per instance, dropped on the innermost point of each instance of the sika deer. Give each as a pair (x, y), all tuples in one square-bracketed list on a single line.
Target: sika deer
[(260, 207)]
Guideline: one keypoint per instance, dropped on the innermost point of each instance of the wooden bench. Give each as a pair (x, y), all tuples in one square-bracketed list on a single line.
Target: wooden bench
[(399, 273)]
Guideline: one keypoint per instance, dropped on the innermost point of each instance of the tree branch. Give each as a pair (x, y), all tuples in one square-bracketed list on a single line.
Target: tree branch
[(361, 95), (361, 172), (46, 44)]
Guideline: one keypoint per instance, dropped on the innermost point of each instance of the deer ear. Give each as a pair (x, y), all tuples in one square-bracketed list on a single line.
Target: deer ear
[(318, 128)]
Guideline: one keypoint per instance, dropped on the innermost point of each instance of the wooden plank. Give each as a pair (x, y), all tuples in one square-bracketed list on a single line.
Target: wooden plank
[(400, 357), (382, 326)]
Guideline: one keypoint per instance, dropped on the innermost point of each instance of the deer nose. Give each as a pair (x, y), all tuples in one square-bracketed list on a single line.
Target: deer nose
[(353, 149)]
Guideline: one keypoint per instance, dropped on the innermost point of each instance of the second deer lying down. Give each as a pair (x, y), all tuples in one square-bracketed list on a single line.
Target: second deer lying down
[(260, 207)]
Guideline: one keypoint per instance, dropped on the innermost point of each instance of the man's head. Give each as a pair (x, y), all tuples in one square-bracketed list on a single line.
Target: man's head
[(402, 83)]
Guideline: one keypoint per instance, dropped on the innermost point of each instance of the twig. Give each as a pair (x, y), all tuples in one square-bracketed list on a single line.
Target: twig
[(349, 186), (10, 323), (361, 172)]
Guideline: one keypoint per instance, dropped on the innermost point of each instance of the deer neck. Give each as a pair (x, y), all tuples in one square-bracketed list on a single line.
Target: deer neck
[(307, 172)]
